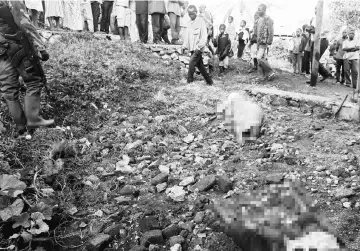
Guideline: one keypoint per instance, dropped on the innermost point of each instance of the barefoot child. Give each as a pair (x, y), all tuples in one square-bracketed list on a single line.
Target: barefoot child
[(223, 44)]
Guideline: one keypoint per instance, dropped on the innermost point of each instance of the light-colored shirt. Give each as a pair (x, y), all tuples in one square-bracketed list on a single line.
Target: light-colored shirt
[(351, 44), (246, 35), (195, 35), (230, 29)]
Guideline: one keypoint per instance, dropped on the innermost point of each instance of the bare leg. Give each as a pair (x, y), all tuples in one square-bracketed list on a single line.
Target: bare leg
[(57, 20), (51, 23), (126, 33)]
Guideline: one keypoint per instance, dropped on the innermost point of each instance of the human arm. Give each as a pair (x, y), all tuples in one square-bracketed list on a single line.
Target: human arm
[(271, 31), (203, 36), (22, 20)]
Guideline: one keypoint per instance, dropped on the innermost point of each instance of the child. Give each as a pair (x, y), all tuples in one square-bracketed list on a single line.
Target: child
[(223, 44), (297, 52), (242, 37)]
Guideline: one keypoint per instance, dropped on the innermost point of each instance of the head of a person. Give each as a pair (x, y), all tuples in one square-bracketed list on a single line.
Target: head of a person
[(298, 32), (230, 19), (344, 34), (304, 27), (351, 33), (192, 11), (202, 8), (222, 28), (256, 16), (243, 23), (262, 10)]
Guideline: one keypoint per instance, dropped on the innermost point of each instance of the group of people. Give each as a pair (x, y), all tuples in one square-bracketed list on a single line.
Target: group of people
[(199, 38), (345, 52)]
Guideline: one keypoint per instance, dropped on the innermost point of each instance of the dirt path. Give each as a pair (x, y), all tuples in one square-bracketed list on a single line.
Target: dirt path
[(129, 118)]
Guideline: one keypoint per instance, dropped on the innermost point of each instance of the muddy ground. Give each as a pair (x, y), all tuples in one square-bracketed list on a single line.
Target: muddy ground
[(127, 116)]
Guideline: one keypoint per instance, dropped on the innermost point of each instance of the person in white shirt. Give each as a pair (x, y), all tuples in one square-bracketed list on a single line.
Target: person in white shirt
[(351, 59)]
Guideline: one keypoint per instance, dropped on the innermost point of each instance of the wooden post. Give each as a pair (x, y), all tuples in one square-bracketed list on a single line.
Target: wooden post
[(316, 52)]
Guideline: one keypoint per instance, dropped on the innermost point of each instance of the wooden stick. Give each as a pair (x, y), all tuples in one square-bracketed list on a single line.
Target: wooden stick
[(338, 110), (316, 52)]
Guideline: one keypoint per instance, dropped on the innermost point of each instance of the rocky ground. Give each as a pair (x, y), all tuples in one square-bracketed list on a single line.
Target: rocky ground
[(142, 155)]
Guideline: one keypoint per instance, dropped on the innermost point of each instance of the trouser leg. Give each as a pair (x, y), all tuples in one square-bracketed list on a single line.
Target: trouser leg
[(9, 86), (307, 55), (103, 16), (347, 72), (95, 8), (192, 65), (354, 72), (200, 65), (299, 62), (342, 71), (156, 27), (142, 24), (338, 69), (241, 49)]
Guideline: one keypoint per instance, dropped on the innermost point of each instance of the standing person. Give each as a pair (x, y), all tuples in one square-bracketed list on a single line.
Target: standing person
[(10, 71), (35, 6), (264, 32), (87, 17), (96, 11), (72, 15), (351, 48), (106, 9), (133, 30), (339, 57), (157, 10), (242, 37), (142, 19), (223, 44), (53, 12), (122, 13), (195, 41), (307, 51), (324, 44), (297, 52), (252, 45), (174, 13), (184, 20)]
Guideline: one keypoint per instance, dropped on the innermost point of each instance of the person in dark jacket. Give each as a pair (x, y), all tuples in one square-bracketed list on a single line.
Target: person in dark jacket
[(142, 19), (307, 50), (223, 44), (11, 67)]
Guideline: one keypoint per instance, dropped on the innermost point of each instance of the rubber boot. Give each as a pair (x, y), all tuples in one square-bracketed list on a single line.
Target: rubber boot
[(18, 115), (32, 108)]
